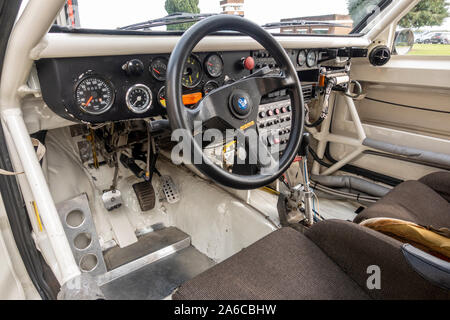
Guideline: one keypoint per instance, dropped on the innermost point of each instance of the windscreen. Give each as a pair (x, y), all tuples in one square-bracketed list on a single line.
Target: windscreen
[(324, 17)]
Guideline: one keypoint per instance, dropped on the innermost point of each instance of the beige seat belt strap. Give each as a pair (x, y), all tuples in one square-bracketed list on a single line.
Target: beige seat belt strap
[(40, 152)]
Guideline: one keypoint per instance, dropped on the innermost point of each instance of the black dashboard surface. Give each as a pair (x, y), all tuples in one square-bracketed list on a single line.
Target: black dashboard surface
[(60, 77)]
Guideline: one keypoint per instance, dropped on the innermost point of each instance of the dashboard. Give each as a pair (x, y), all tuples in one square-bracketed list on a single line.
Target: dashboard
[(115, 88)]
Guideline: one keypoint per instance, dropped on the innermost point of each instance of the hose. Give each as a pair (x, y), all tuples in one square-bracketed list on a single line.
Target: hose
[(351, 183), (351, 196)]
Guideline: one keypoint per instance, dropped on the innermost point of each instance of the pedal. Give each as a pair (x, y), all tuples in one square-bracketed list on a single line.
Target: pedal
[(170, 189), (145, 195), (112, 199)]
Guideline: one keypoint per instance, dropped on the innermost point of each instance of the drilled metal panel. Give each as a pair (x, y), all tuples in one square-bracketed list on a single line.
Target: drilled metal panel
[(79, 227)]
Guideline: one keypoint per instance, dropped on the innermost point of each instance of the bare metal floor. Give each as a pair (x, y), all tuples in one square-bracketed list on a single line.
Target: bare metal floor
[(153, 274), (158, 280)]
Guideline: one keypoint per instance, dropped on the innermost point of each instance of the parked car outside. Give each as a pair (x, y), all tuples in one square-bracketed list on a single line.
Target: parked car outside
[(440, 38)]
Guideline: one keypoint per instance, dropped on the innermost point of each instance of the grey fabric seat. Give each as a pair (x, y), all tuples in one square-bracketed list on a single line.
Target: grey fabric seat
[(329, 262), (425, 202)]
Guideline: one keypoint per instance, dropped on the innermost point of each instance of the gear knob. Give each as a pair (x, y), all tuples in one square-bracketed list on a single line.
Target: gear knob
[(303, 150)]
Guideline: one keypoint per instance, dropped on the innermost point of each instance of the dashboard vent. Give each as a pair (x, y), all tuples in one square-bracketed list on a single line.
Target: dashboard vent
[(307, 93), (379, 56)]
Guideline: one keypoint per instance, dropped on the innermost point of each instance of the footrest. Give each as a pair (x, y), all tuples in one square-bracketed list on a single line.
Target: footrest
[(145, 195)]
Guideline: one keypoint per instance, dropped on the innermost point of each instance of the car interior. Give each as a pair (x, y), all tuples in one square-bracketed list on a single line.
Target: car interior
[(227, 161)]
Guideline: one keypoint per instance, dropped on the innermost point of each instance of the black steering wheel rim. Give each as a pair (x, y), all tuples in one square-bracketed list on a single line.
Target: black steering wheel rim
[(178, 115)]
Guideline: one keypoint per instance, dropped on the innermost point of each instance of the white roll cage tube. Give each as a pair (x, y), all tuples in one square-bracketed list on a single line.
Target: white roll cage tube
[(26, 41), (27, 32)]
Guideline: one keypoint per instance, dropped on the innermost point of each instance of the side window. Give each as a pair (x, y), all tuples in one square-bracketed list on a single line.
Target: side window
[(425, 30)]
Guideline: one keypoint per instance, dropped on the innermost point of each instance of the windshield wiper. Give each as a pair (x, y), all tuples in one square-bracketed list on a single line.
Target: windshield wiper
[(174, 18), (300, 23)]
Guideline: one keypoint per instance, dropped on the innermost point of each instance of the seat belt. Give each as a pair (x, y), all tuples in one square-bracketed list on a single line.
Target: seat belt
[(40, 152)]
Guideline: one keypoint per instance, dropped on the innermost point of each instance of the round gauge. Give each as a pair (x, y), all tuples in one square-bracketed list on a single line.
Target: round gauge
[(210, 86), (162, 96), (158, 69), (311, 59), (192, 73), (94, 95), (139, 98), (214, 65), (301, 59)]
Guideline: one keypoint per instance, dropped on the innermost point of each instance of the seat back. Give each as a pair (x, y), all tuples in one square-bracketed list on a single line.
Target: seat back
[(362, 252)]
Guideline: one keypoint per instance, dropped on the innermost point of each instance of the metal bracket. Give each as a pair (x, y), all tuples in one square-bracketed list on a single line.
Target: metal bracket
[(79, 227)]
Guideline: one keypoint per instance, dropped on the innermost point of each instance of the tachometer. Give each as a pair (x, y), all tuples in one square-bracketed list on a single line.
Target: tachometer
[(139, 98), (158, 69), (94, 95), (301, 59), (192, 73), (214, 65)]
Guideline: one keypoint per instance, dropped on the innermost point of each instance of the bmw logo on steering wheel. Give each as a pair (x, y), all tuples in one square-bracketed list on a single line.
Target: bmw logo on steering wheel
[(243, 103)]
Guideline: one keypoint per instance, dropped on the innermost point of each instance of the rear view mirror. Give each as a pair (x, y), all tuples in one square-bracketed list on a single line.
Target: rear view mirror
[(404, 41)]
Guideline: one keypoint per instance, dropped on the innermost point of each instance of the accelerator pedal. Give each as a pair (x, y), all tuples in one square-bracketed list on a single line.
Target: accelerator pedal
[(145, 195), (170, 189)]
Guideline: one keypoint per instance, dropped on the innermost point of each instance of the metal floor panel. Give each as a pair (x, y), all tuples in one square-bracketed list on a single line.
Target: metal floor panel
[(158, 279), (151, 242)]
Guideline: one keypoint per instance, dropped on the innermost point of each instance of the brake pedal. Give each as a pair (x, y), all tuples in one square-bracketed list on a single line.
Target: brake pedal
[(145, 195), (170, 189)]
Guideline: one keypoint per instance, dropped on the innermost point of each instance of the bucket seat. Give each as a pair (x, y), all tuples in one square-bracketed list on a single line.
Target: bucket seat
[(334, 259)]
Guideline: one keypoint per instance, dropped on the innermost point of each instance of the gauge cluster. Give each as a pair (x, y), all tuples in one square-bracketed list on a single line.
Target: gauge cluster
[(302, 59), (114, 88), (101, 89)]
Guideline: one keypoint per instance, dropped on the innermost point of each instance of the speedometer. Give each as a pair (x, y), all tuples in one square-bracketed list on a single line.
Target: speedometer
[(192, 73), (94, 95)]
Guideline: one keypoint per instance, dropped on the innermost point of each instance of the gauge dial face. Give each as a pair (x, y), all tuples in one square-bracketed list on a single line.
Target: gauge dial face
[(210, 86), (139, 98), (192, 73), (311, 59), (214, 65), (162, 97), (94, 95), (301, 59), (158, 69)]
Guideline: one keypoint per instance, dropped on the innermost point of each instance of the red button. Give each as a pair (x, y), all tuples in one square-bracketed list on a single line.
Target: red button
[(249, 63)]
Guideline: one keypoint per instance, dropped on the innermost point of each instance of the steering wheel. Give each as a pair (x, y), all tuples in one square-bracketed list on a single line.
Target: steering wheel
[(235, 104)]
